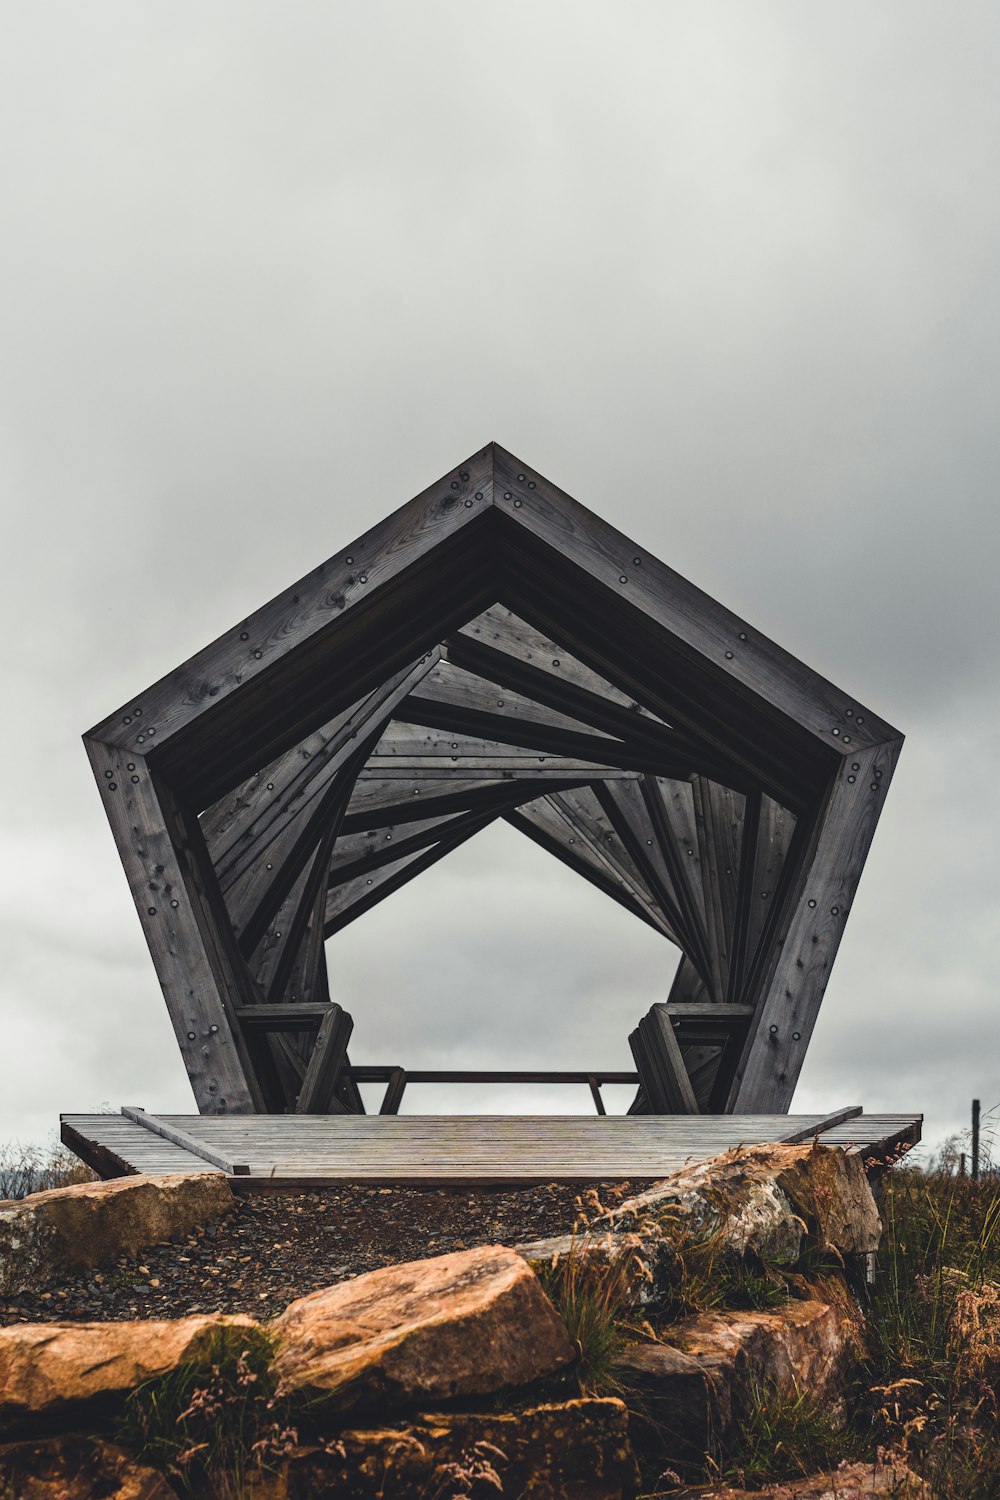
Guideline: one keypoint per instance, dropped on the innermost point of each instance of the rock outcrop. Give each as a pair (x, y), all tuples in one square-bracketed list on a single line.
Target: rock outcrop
[(49, 1235), (62, 1373), (458, 1325), (767, 1201), (848, 1481), (574, 1450), (690, 1395), (77, 1468)]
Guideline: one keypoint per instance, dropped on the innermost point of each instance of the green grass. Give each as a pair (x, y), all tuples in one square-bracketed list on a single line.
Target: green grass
[(216, 1423), (592, 1297), (785, 1435), (933, 1379)]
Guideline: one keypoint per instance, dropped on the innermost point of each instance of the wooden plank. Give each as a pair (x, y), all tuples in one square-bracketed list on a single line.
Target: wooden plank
[(503, 632), (660, 1065), (774, 837), (707, 630), (282, 798), (462, 691), (810, 1132), (311, 904), (591, 825), (352, 898), (542, 822), (316, 1151), (325, 1062), (660, 748), (817, 906), (384, 804), (200, 975), (739, 942), (628, 814), (256, 895), (282, 1017), (185, 1140), (393, 1095), (670, 806), (327, 595), (719, 814)]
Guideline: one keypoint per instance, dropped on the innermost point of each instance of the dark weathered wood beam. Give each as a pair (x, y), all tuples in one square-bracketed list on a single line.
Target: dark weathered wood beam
[(350, 900), (404, 548), (506, 633), (670, 807), (239, 827), (626, 810), (318, 1093), (257, 897), (658, 747), (385, 804), (701, 627), (202, 975), (719, 814), (815, 910), (660, 1065), (591, 824), (543, 823)]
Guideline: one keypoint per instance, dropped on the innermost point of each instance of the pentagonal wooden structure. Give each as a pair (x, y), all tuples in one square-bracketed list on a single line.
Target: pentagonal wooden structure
[(492, 650)]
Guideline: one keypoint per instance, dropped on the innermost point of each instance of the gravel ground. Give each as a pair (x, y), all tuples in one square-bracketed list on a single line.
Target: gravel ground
[(276, 1247)]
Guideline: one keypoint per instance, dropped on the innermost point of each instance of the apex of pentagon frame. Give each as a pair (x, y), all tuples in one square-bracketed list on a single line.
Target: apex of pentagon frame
[(492, 650)]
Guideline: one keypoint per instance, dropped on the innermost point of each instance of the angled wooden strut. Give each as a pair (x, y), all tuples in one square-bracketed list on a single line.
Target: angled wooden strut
[(492, 650)]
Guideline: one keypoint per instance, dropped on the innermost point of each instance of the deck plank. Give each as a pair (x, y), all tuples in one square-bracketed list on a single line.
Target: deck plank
[(304, 1151)]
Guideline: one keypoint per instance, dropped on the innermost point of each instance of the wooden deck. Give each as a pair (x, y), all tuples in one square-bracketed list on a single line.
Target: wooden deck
[(288, 1152)]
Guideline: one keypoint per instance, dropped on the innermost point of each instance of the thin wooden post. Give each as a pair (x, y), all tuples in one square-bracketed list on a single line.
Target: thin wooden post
[(394, 1093), (961, 1164), (975, 1140)]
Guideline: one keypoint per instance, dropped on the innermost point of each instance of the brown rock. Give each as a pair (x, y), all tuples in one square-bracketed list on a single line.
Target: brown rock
[(767, 1199), (51, 1373), (72, 1467), (571, 1450), (847, 1482), (694, 1392), (48, 1235), (770, 1201), (460, 1324)]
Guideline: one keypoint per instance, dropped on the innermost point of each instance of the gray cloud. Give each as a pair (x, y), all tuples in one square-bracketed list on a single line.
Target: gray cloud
[(728, 274)]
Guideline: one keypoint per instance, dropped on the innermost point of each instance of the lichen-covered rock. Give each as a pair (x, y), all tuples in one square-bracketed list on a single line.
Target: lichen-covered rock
[(768, 1199), (571, 1450), (849, 1481), (49, 1235), (696, 1390), (72, 1467), (461, 1324), (52, 1374)]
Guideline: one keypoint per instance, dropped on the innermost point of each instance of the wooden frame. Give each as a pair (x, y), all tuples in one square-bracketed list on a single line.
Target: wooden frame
[(492, 650)]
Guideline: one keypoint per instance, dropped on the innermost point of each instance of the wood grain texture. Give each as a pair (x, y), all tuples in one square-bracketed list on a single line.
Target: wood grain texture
[(817, 911), (492, 650), (305, 1151)]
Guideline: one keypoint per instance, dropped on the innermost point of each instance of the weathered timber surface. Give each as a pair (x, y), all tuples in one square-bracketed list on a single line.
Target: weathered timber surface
[(302, 1150), (493, 649)]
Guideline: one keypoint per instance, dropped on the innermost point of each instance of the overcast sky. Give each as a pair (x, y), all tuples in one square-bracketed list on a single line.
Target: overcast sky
[(726, 272)]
